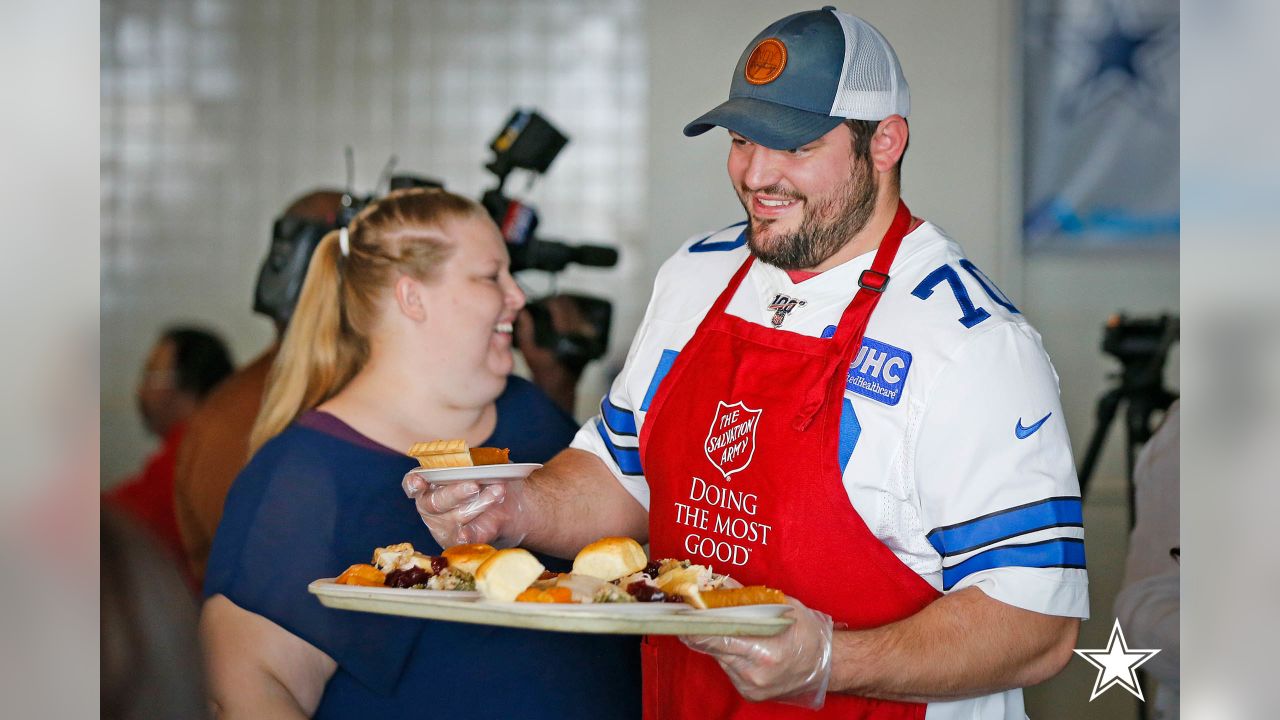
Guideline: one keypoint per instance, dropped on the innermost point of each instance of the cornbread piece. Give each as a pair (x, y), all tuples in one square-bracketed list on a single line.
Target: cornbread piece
[(610, 558), (507, 573), (441, 454)]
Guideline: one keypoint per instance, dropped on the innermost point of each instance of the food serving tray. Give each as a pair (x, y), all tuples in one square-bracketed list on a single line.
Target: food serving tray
[(602, 618)]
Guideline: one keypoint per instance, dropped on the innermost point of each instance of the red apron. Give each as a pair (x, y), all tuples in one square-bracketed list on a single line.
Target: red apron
[(741, 452)]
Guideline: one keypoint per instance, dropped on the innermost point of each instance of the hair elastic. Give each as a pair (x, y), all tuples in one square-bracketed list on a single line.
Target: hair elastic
[(344, 242)]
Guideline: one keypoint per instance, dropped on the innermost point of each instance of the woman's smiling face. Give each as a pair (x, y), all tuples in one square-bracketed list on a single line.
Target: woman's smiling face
[(472, 304)]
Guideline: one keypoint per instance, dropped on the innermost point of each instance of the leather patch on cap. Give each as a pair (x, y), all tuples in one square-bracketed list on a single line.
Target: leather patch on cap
[(766, 62)]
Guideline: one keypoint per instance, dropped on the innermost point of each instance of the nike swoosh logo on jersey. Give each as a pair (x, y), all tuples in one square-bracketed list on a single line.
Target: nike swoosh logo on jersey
[(1025, 432)]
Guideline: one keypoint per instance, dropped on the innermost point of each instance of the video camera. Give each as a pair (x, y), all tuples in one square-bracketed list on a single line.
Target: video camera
[(1142, 346), (1140, 342), (295, 236), (527, 141), (293, 240), (531, 143)]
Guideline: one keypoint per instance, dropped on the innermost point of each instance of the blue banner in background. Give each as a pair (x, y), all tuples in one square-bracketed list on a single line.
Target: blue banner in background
[(1100, 89)]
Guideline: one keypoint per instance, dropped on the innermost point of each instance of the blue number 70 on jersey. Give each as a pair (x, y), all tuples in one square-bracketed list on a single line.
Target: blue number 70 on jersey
[(970, 314)]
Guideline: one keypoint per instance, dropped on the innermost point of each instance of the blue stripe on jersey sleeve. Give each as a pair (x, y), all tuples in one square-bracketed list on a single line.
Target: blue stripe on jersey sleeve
[(619, 421), (627, 459), (1004, 524), (1060, 553), (850, 430), (720, 245), (664, 366)]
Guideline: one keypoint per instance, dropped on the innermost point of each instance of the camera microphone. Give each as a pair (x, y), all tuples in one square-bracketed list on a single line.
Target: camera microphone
[(595, 255), (518, 222), (552, 256)]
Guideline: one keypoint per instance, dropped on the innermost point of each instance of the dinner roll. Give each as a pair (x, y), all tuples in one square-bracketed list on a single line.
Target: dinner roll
[(507, 573), (468, 557), (610, 558)]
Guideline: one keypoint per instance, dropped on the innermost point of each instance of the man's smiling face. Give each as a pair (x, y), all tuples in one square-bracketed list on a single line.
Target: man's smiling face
[(803, 204)]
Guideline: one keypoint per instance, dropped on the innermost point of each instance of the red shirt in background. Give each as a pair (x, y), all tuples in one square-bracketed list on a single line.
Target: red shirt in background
[(147, 497)]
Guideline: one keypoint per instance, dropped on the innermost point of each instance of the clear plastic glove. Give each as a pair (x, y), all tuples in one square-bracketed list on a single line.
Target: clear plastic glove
[(792, 667), (467, 512)]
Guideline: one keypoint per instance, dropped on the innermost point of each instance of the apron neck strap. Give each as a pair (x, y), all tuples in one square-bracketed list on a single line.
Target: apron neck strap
[(731, 289), (873, 281)]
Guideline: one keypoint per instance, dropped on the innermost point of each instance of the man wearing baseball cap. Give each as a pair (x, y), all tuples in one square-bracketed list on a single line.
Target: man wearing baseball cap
[(831, 400)]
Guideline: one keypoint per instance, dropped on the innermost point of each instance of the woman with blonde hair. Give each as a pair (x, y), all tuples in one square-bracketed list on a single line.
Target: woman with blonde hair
[(402, 333)]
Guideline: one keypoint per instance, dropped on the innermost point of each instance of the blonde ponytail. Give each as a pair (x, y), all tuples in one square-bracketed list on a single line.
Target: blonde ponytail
[(315, 359), (327, 341)]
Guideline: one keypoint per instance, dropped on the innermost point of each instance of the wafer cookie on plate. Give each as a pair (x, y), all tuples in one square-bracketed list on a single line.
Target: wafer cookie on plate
[(442, 453)]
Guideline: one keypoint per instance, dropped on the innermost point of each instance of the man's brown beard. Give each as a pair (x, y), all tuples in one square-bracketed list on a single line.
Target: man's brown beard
[(813, 242)]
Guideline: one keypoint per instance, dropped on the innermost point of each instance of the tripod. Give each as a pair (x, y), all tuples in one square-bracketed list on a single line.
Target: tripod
[(1142, 346)]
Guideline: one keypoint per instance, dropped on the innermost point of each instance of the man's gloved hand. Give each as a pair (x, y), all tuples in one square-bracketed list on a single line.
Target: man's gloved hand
[(792, 667), (466, 512)]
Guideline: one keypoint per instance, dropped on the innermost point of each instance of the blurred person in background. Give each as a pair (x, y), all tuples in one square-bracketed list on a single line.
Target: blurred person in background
[(216, 445), (402, 334), (556, 377), (1149, 604), (184, 365), (149, 651)]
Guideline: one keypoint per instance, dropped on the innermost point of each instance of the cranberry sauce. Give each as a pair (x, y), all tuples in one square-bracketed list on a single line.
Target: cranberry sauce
[(645, 592), (408, 578)]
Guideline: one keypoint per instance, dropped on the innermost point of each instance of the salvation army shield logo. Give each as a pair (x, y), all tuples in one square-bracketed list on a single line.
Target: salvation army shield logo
[(731, 441)]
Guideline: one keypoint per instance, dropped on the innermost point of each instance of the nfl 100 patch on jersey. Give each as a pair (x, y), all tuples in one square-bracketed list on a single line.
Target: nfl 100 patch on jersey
[(879, 371)]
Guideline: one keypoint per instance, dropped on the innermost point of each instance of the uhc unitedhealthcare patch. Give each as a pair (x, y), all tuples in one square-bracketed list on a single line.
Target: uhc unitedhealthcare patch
[(879, 371)]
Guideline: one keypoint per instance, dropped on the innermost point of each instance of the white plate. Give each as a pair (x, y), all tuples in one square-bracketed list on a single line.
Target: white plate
[(742, 611), (390, 592), (635, 608), (483, 474)]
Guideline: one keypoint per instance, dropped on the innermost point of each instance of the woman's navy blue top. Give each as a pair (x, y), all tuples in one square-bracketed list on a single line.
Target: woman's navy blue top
[(320, 497)]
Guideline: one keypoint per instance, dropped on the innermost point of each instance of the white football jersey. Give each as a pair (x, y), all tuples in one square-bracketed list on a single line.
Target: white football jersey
[(954, 446)]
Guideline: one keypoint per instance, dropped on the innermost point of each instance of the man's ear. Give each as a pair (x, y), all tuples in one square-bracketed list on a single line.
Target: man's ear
[(411, 298), (889, 142)]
